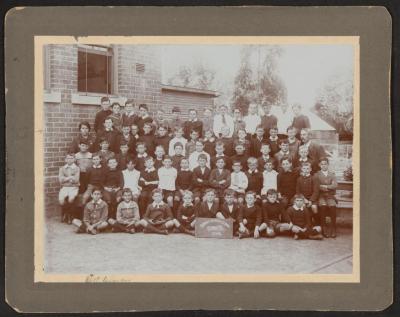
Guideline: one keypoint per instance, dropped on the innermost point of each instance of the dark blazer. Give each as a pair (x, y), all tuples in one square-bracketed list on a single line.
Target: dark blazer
[(202, 210)]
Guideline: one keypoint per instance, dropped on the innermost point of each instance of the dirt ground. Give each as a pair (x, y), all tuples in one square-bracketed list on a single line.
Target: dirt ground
[(121, 253)]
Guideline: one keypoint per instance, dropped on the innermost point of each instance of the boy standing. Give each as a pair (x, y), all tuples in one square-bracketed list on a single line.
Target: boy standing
[(144, 118), (219, 153), (193, 124), (241, 139), (201, 175), (265, 156), (239, 181), (209, 142), (141, 156), (300, 121), (127, 137), (240, 155), (252, 120), (327, 200), (190, 146), (284, 153), (178, 138), (129, 117), (162, 138), (258, 141), (94, 215), (105, 154), (95, 178), (113, 184), (148, 182), (193, 158), (220, 179), (123, 156), (84, 135), (68, 177), (147, 137), (294, 142), (226, 139), (270, 179), (167, 176), (273, 140), (131, 179), (268, 120), (178, 155), (109, 134), (286, 182), (159, 157), (116, 116), (102, 114), (254, 177), (84, 161)]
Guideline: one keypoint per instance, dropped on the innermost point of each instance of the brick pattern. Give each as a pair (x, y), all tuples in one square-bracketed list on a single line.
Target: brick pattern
[(61, 120)]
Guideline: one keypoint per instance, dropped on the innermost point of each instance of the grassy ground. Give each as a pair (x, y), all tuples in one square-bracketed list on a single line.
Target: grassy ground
[(122, 253)]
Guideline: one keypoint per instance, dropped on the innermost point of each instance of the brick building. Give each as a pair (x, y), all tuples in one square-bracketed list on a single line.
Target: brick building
[(77, 76)]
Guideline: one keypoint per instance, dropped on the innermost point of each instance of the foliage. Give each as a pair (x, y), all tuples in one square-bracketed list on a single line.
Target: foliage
[(196, 75), (257, 80)]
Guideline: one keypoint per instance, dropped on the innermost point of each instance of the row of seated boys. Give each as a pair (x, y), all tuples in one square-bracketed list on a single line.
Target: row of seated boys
[(318, 189)]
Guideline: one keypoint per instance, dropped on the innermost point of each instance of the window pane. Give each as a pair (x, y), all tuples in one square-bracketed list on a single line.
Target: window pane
[(81, 71), (94, 72)]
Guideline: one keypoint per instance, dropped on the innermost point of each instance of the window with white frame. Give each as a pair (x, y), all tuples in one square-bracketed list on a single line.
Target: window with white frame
[(95, 69)]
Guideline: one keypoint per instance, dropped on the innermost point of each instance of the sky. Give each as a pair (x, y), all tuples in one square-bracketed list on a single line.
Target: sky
[(303, 68)]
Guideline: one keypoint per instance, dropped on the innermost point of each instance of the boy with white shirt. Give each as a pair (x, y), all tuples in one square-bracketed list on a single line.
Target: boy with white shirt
[(239, 181), (193, 158), (252, 120), (178, 132), (167, 176), (223, 119), (131, 179), (270, 177)]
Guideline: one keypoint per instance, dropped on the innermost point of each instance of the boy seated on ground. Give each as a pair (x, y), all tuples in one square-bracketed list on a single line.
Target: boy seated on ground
[(300, 220), (208, 208), (230, 209), (177, 155), (239, 181), (94, 215), (95, 178), (249, 217), (104, 153), (166, 180), (68, 177), (148, 181), (220, 179), (158, 217), (113, 184), (131, 179), (327, 200), (128, 217), (275, 219), (308, 186), (186, 215), (201, 175), (178, 138), (286, 182)]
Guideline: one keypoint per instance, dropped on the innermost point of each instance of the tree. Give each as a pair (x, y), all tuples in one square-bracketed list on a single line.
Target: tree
[(257, 79), (334, 101), (196, 75), (244, 85)]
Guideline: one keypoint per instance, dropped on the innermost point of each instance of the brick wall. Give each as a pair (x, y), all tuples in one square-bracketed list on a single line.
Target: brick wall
[(61, 119)]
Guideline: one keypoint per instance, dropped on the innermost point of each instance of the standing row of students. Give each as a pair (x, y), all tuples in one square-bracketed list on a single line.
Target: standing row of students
[(137, 159)]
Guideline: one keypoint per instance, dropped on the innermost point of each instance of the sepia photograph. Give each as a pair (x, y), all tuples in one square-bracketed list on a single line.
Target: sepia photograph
[(196, 159)]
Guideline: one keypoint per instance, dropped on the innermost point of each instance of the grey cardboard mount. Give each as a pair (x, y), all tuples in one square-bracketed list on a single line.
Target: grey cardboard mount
[(372, 24)]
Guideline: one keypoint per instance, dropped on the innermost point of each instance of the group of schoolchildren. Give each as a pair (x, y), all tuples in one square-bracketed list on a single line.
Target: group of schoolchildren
[(139, 173)]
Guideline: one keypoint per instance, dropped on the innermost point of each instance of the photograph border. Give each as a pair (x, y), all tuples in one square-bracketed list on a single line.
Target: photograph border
[(42, 276), (372, 24)]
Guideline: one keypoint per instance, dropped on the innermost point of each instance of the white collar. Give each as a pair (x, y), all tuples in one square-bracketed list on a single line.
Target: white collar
[(73, 165), (98, 202), (149, 170), (185, 170), (249, 206), (109, 130), (188, 205), (325, 173), (306, 175), (193, 120), (158, 205), (273, 139), (252, 172), (297, 208), (142, 155), (98, 166)]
